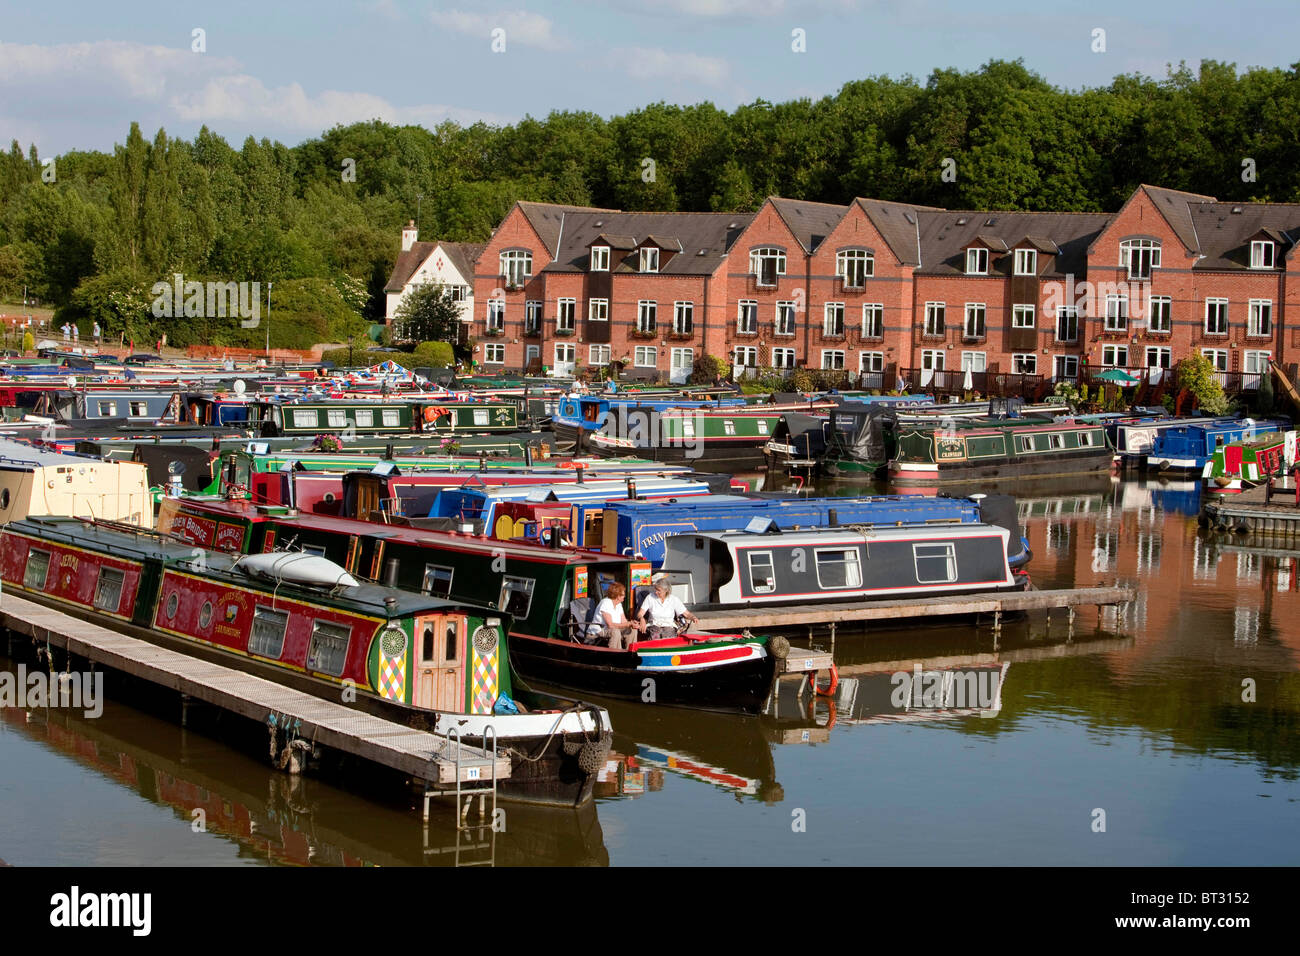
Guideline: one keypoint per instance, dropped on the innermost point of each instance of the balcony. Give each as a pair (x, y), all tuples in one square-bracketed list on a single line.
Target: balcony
[(649, 333), (681, 335), (532, 331), (565, 332)]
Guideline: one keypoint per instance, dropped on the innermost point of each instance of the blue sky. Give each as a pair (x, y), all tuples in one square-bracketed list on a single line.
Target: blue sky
[(74, 74)]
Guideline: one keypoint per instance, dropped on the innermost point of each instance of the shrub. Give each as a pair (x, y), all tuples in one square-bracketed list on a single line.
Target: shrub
[(1196, 374), (707, 369), (433, 354)]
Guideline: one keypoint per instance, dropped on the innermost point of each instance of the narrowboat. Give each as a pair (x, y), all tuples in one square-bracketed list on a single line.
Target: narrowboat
[(727, 569), (1239, 465), (640, 528), (1187, 448), (299, 620), (548, 593), (961, 450), (577, 417), (311, 418), (34, 481), (798, 441), (132, 406)]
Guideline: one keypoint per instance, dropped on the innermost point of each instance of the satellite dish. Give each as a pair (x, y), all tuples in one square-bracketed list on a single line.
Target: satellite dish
[(240, 387)]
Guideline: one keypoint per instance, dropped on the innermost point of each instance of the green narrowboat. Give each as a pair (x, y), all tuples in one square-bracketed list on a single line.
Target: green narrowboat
[(963, 449), (311, 418)]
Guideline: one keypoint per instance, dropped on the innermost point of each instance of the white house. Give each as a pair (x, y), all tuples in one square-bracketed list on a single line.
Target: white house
[(451, 263)]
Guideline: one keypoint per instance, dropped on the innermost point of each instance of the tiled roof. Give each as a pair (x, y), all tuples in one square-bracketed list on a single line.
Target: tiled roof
[(703, 237), (899, 224), (407, 263), (548, 218), (811, 222), (1174, 206), (943, 240), (1226, 229)]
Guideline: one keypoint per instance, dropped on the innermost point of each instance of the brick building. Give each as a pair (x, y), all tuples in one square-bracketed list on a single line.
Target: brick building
[(886, 288)]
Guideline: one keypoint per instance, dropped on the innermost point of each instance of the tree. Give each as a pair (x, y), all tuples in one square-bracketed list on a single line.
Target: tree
[(428, 314)]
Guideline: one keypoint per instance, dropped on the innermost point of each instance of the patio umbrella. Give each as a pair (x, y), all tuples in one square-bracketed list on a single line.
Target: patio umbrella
[(968, 382), (1116, 375)]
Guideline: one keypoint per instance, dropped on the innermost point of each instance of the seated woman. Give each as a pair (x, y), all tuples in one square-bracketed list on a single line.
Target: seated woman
[(610, 623), (663, 608)]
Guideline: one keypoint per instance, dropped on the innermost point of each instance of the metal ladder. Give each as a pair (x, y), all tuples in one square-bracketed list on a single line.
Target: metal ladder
[(486, 825)]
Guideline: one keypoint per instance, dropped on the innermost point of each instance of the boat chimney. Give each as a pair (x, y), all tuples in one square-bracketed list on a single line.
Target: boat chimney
[(631, 489), (390, 573), (528, 454), (388, 451), (482, 461), (555, 536), (832, 518), (390, 604), (581, 469)]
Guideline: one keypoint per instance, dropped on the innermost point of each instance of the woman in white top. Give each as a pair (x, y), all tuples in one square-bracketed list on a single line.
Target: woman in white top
[(610, 623), (663, 608)]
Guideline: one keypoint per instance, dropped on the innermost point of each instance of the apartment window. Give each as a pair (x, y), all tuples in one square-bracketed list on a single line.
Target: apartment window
[(494, 353), (833, 359), (647, 356), (598, 310), (747, 317), (974, 328), (517, 266), (328, 650), (977, 262), (437, 580), (1116, 313), (1255, 362), (1140, 256), (532, 316), (1114, 356), (1216, 316), (459, 293), (1026, 263), (1067, 323), (649, 259), (1259, 317), (767, 263), (1066, 366), (1023, 317), (785, 312), (1218, 358), (684, 318), (1262, 254), (1024, 363), (834, 319), (934, 318), (1162, 315), (598, 355), (600, 258), (873, 321), (855, 266), (1159, 356), (783, 358), (871, 361), (566, 356), (565, 314), (932, 358), (267, 639), (974, 361), (647, 316), (745, 356), (496, 315)]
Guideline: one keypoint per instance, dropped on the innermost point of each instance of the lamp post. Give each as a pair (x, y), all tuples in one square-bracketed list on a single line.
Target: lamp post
[(269, 286), (419, 197)]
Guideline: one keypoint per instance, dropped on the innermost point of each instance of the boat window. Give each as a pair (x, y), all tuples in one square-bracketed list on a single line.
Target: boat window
[(762, 426), (173, 604), (336, 417), (108, 409), (316, 549), (427, 648), (38, 568), (390, 417), (267, 639), (205, 615), (935, 563), (437, 580), (139, 409), (304, 418), (452, 646), (688, 426), (762, 575), (329, 648), (728, 426), (516, 596), (108, 589), (838, 568), (603, 580), (365, 417), (1057, 440), (1026, 442), (1085, 439), (480, 416)]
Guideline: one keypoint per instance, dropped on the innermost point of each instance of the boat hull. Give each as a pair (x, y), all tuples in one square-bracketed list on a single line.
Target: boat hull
[(904, 473)]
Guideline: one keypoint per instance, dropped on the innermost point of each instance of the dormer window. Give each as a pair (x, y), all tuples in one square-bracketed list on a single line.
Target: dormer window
[(767, 262), (1262, 254), (977, 261), (517, 266), (649, 259), (1140, 256), (855, 266), (1026, 263), (600, 258)]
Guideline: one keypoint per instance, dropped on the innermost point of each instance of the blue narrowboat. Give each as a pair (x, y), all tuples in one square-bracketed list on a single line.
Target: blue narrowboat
[(1186, 448)]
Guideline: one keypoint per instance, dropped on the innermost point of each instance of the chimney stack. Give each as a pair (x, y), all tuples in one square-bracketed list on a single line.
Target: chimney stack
[(409, 235)]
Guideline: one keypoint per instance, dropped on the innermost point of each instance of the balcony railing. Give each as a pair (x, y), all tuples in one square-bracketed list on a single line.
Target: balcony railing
[(989, 384)]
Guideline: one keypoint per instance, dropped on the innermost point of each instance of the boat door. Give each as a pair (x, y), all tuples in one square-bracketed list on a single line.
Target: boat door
[(566, 358), (683, 361), (440, 663)]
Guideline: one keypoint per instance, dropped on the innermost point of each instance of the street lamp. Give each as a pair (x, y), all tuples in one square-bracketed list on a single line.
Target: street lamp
[(269, 286), (419, 197)]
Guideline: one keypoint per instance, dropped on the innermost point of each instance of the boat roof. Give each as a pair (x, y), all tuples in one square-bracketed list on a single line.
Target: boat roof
[(130, 542), (822, 536), (17, 455)]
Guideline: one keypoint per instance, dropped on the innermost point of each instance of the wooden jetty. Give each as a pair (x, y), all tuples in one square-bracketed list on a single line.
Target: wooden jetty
[(445, 766), (958, 605), (1255, 511)]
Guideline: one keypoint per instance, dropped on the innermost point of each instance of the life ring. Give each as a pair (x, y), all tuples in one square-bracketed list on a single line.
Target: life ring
[(830, 690)]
